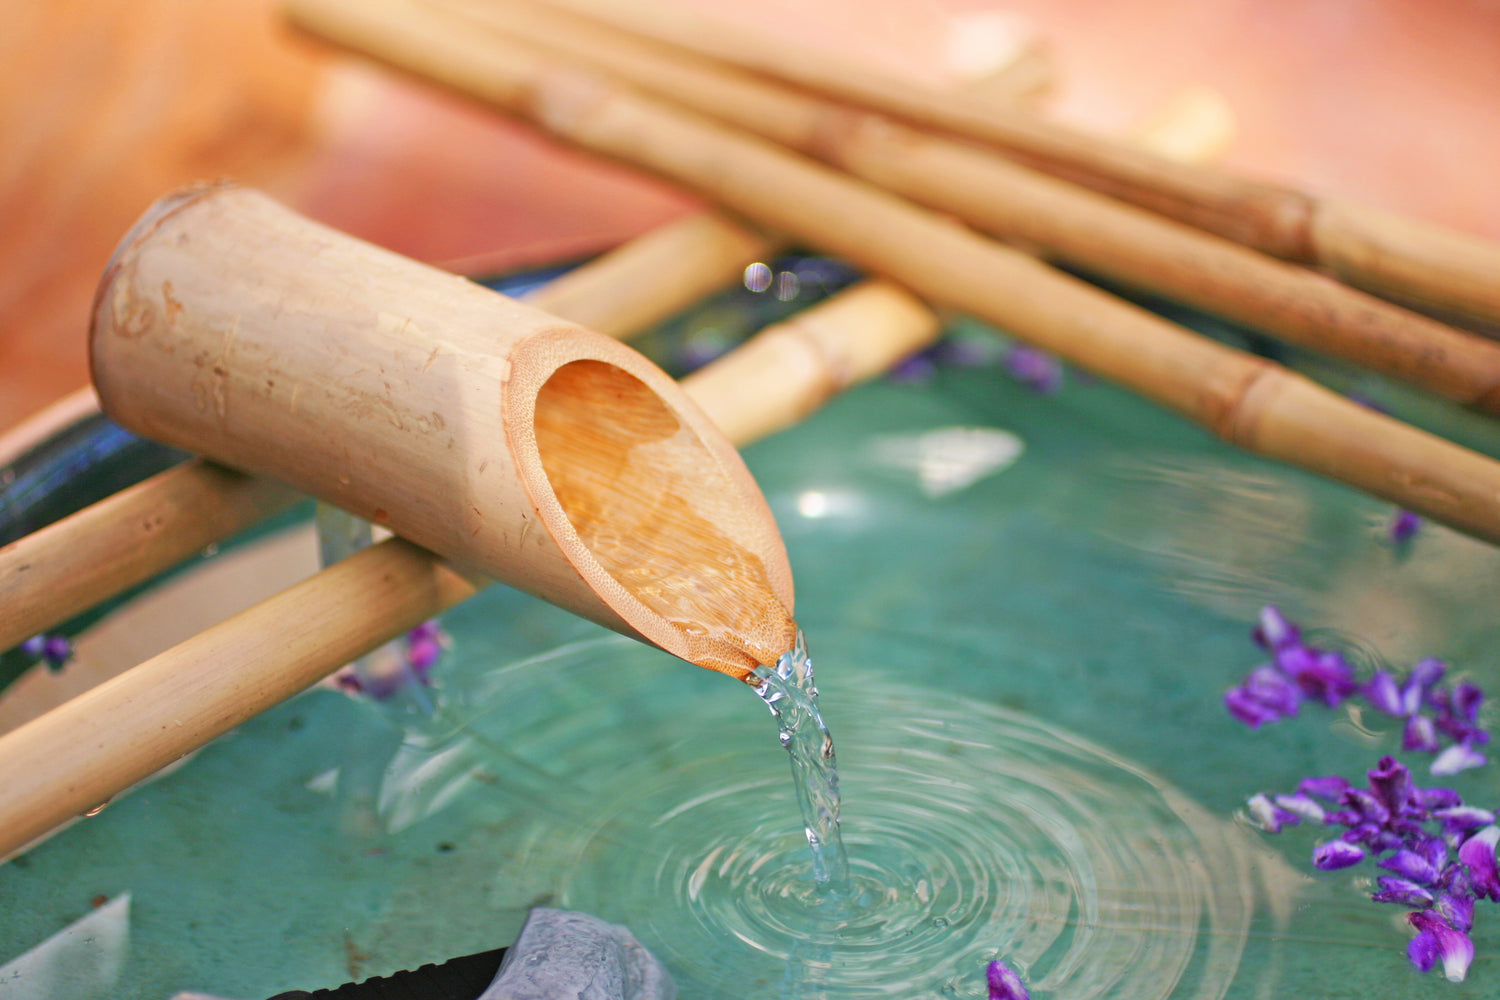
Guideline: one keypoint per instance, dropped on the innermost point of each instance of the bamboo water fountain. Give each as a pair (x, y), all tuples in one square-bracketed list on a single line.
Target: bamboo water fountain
[(1248, 401)]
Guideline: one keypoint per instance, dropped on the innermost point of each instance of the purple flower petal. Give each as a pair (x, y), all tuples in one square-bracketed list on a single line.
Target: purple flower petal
[(1404, 526), (1459, 757), (1374, 836), (1438, 798), (1420, 734), (1035, 369), (1432, 849), (422, 654), (1004, 983), (1390, 780), (1478, 856), (1328, 787), (1269, 816), (1462, 819), (913, 369), (1466, 700), (1457, 910), (1321, 675), (1302, 805), (1382, 691), (1403, 891), (1455, 880), (1442, 942), (1273, 631), (1336, 854), (1273, 689), (1371, 809), (1426, 673), (1411, 866), (1249, 710)]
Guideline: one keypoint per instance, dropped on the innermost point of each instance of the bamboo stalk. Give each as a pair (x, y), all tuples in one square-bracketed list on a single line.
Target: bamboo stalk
[(1401, 258), (114, 735), (655, 276), (1204, 381), (1065, 222), (788, 370), (68, 567), (547, 455), (125, 539)]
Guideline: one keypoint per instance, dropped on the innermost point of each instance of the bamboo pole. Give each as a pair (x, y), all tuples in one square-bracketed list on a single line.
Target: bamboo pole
[(117, 734), (655, 276), (1400, 258), (1063, 221), (1204, 381), (548, 456), (64, 569), (125, 539)]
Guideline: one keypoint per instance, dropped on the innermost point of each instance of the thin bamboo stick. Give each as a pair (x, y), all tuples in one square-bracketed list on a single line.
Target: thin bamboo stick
[(1065, 222), (1401, 258), (656, 275), (1207, 382), (68, 567), (113, 736)]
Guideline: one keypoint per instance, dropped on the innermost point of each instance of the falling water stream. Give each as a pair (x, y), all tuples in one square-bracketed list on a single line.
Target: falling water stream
[(790, 693)]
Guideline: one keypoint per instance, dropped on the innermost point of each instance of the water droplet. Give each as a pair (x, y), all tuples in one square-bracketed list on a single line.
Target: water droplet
[(758, 277)]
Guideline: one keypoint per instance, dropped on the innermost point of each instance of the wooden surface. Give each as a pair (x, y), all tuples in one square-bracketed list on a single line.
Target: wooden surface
[(107, 104)]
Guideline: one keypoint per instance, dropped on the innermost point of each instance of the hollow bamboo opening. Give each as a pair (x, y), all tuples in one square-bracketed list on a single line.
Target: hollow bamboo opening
[(653, 506)]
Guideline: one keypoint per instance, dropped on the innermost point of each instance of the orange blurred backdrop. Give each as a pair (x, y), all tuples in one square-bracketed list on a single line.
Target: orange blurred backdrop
[(107, 104)]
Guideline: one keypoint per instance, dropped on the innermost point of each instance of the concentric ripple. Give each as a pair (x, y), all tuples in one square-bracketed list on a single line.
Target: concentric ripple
[(972, 834)]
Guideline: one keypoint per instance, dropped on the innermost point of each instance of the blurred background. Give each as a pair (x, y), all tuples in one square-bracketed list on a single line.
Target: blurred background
[(105, 105)]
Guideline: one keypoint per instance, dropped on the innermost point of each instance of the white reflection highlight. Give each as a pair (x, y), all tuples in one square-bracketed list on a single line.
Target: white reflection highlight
[(79, 962), (814, 504), (949, 459)]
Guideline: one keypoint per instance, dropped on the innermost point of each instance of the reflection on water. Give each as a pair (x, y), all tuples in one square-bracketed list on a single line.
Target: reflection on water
[(1233, 541)]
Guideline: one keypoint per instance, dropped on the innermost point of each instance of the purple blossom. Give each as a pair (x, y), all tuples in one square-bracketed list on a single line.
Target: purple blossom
[(1459, 757), (1420, 734), (1336, 854), (1328, 787), (1438, 798), (1273, 632), (1034, 368), (1302, 805), (1382, 692), (1462, 819), (1403, 891), (913, 369), (1300, 672), (1390, 782), (1411, 866), (1269, 816), (54, 650), (1436, 941), (1457, 909), (1478, 856), (1266, 695), (1250, 710), (1404, 526), (1004, 983)]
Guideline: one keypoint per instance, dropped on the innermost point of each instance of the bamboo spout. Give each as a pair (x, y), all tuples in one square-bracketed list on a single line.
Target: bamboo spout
[(534, 451)]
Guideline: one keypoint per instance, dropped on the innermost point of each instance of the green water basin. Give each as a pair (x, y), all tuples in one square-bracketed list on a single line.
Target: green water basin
[(1025, 611)]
